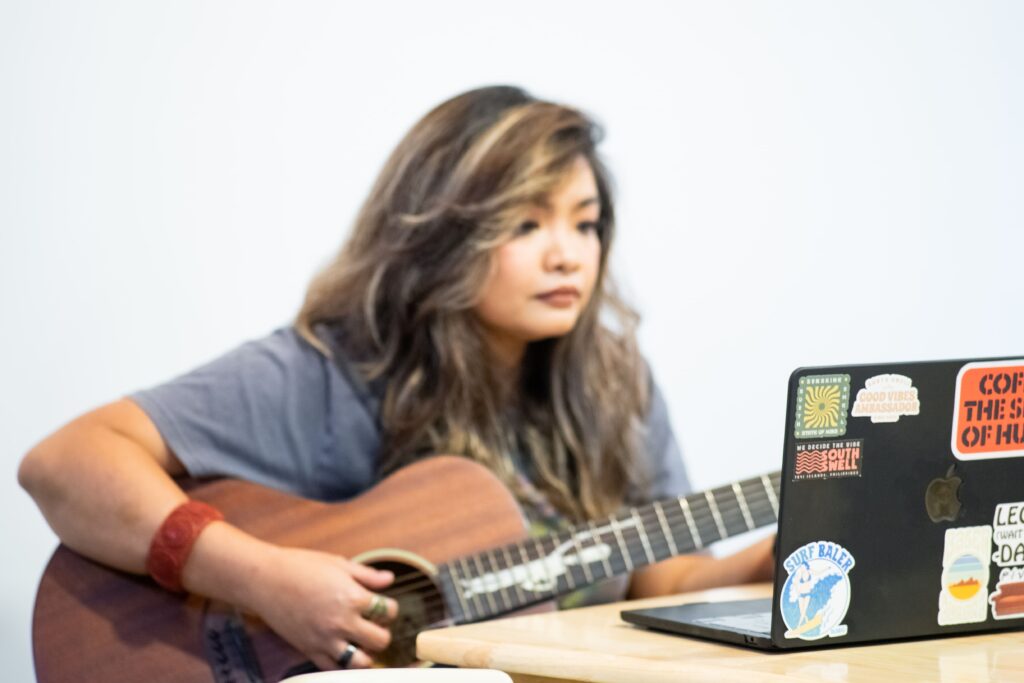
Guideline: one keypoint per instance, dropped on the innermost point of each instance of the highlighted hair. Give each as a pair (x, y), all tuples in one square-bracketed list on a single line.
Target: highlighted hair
[(401, 293)]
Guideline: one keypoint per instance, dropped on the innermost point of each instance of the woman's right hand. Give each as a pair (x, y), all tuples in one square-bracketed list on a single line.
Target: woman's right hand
[(104, 482), (316, 602)]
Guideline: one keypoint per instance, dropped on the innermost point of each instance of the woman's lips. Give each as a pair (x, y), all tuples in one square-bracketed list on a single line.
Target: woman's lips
[(560, 298)]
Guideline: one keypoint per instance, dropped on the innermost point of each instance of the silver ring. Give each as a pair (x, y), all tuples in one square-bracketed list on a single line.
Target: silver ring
[(346, 657)]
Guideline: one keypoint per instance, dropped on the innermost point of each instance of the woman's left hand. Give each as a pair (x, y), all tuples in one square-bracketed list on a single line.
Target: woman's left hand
[(763, 559), (695, 572)]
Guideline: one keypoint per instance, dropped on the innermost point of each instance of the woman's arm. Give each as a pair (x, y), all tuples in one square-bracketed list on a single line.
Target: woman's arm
[(104, 483), (696, 572)]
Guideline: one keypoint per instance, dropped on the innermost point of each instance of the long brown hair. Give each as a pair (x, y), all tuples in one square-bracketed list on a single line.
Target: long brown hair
[(402, 289)]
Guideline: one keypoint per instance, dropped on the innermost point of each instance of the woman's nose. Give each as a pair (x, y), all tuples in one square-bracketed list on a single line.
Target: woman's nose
[(563, 250)]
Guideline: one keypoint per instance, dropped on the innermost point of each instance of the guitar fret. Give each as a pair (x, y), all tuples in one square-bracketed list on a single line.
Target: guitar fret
[(665, 529), (730, 511), (542, 557), (622, 545), (743, 506), (681, 536), (528, 565), (643, 537), (520, 595), (570, 580), (453, 577), (502, 590), (684, 505), (574, 573), (713, 506), (474, 599), (704, 519), (584, 565), (594, 535), (770, 490), (488, 592), (760, 506)]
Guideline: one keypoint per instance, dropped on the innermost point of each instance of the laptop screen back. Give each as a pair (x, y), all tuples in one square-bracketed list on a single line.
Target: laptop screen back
[(902, 506)]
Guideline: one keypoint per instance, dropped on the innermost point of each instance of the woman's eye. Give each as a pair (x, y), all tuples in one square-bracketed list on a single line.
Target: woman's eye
[(589, 226), (527, 226)]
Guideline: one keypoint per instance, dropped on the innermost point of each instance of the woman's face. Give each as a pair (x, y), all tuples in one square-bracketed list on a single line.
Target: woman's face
[(542, 278)]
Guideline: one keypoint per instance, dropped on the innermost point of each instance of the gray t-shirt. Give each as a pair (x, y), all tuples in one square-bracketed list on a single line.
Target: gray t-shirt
[(277, 412)]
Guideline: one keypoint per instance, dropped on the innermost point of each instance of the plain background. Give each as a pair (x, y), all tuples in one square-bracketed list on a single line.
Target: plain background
[(799, 183)]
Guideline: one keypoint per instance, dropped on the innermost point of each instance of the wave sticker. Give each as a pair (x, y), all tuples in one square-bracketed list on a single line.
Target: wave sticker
[(828, 459)]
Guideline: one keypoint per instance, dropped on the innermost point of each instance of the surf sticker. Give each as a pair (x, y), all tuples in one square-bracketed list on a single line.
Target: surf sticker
[(965, 572), (822, 402), (816, 593), (885, 398), (828, 459), (1007, 599), (988, 416)]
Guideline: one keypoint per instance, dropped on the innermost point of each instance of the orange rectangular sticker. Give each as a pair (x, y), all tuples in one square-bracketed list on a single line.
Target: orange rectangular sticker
[(988, 418)]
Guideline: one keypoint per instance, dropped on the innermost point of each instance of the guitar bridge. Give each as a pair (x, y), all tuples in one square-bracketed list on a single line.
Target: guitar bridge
[(229, 651)]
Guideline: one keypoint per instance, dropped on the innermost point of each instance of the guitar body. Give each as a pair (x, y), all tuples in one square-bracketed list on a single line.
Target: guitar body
[(96, 623)]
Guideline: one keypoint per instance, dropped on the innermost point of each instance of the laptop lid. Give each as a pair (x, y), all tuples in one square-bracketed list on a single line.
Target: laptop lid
[(902, 492), (901, 508)]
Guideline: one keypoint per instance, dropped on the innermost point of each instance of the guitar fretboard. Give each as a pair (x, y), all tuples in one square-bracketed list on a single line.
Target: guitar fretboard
[(507, 578)]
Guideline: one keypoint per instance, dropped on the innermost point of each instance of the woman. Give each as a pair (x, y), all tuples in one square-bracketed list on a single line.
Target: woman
[(470, 312)]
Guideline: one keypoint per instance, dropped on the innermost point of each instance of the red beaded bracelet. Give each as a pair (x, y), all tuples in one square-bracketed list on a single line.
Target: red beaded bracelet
[(173, 541)]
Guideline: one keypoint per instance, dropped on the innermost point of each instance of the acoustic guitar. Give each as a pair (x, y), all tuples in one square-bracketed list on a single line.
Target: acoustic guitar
[(451, 532)]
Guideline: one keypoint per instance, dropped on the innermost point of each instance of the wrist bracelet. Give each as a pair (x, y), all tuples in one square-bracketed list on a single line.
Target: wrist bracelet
[(173, 541)]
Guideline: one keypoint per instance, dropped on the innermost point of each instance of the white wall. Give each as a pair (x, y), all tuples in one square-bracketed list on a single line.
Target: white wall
[(800, 183)]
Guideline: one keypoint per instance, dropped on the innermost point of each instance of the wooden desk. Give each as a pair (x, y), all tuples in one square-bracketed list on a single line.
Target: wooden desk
[(593, 644)]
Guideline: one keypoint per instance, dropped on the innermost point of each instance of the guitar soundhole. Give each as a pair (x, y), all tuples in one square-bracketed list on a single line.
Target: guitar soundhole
[(419, 605)]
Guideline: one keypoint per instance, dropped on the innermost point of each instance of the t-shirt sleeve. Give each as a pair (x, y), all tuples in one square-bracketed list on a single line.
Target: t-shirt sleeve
[(667, 472), (256, 413)]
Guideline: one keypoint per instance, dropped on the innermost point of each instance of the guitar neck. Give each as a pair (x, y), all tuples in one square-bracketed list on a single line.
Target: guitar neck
[(508, 578)]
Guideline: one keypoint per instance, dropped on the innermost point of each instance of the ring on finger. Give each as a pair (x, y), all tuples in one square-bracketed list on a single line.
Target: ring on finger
[(346, 657), (377, 610)]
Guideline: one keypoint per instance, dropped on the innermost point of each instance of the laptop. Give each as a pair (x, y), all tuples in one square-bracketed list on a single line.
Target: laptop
[(901, 511)]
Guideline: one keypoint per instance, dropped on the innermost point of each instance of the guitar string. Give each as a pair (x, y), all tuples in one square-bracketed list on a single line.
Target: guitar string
[(562, 583), (437, 600), (660, 550), (649, 517), (701, 519), (671, 506)]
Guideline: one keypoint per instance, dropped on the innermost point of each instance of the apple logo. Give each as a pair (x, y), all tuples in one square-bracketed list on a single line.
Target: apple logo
[(942, 499)]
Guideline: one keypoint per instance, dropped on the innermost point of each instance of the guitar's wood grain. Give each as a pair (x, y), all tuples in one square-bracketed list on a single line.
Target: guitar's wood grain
[(94, 623)]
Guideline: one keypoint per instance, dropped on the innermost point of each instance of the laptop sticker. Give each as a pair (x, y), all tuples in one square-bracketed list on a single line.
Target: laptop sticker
[(885, 398), (988, 415), (1008, 534), (822, 402), (828, 459), (1007, 599), (965, 572), (816, 593)]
